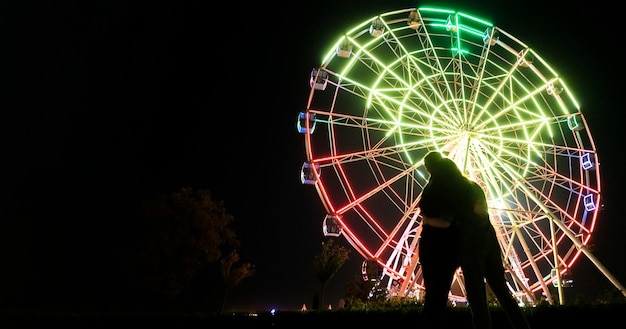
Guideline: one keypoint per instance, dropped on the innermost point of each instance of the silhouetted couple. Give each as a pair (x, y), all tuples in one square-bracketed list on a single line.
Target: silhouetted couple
[(456, 231)]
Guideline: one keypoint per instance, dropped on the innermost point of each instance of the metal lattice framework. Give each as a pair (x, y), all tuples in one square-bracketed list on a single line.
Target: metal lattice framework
[(411, 81)]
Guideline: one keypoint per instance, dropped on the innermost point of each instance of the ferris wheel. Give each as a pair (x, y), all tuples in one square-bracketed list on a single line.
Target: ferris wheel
[(411, 81)]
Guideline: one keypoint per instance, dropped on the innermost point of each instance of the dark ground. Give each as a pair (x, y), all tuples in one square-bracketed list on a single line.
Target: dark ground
[(548, 317)]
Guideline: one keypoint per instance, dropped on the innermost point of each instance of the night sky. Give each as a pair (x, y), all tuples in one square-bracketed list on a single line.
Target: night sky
[(106, 103)]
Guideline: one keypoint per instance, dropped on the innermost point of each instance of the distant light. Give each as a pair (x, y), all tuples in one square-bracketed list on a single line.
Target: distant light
[(273, 311)]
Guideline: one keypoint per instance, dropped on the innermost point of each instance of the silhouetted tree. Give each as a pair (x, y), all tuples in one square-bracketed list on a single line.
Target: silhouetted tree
[(361, 286), (185, 232), (233, 276), (358, 289), (328, 263)]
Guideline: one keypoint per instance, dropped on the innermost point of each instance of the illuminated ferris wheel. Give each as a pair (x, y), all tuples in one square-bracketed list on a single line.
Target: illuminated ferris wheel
[(411, 81)]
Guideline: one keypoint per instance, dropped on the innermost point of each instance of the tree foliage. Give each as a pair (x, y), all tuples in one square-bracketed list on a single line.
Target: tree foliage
[(232, 276), (185, 232), (357, 289), (361, 286), (328, 263)]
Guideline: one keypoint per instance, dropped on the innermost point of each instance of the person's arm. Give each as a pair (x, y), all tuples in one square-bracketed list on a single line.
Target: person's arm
[(480, 206), (435, 222), (430, 209), (481, 209)]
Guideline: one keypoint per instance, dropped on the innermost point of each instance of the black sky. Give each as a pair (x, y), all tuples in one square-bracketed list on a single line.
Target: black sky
[(109, 102)]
